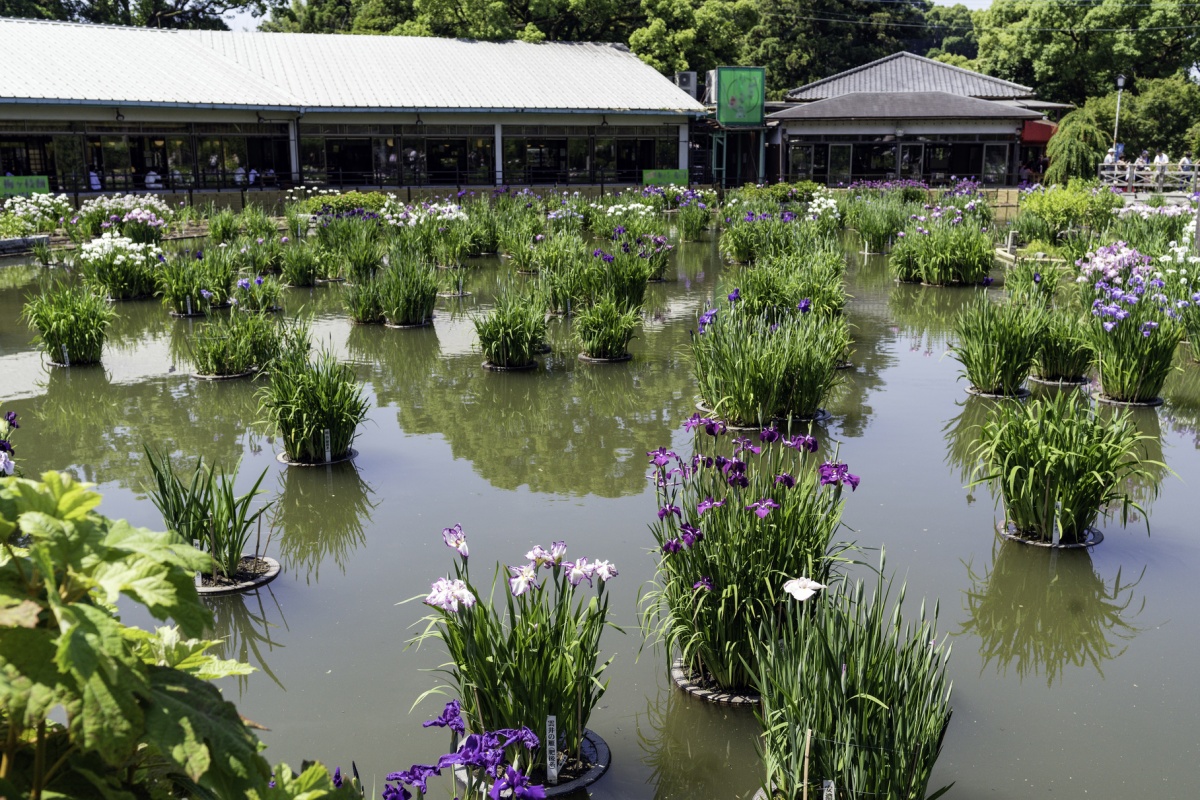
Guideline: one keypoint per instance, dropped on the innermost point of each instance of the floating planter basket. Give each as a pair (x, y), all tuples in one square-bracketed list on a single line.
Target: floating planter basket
[(584, 357), (699, 688), (1009, 532), (596, 758), (518, 368), (258, 571)]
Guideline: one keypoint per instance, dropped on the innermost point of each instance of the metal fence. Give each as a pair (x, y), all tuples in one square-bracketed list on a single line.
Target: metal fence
[(1149, 178)]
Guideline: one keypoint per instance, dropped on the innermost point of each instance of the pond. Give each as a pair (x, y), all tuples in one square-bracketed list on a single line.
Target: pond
[(1073, 671)]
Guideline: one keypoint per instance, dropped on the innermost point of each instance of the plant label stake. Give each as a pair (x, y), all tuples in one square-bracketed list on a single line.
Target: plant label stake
[(189, 306), (807, 744), (552, 750), (828, 791), (328, 448), (66, 358)]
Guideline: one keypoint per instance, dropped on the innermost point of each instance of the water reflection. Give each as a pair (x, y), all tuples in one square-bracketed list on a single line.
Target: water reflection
[(1182, 391), (924, 315), (246, 624), (697, 749), (962, 433), (321, 513), (97, 428), (1040, 611)]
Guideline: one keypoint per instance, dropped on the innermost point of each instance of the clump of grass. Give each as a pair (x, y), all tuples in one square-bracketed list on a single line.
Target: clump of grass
[(236, 345), (852, 692), (72, 323), (605, 328), (1027, 281), (407, 291), (193, 286), (1059, 465), (511, 333), (694, 218), (364, 303), (778, 286), (300, 264), (1065, 353), (997, 344), (260, 294), (363, 253), (223, 226), (752, 370), (304, 399), (942, 250), (206, 510)]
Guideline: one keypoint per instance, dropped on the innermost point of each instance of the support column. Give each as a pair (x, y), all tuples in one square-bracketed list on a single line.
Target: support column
[(294, 149), (498, 146), (762, 155), (684, 141)]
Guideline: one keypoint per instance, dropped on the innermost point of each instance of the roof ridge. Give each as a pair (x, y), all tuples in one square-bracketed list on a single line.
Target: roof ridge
[(907, 54), (66, 23)]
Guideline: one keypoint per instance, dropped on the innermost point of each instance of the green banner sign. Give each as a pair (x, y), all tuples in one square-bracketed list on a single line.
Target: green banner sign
[(664, 177), (741, 96), (13, 185)]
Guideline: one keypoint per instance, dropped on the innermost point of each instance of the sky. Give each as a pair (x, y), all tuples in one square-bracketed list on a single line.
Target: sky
[(242, 21)]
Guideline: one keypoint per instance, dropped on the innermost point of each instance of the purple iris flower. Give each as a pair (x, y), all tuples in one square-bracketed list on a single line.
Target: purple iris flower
[(337, 778), (451, 718), (662, 456), (763, 507), (693, 422), (988, 281), (838, 473), (735, 295), (11, 418), (742, 443), (704, 583), (738, 481), (5, 446), (805, 306), (691, 534), (516, 785), (258, 281), (206, 294), (1037, 277), (714, 427), (785, 479), (454, 537), (417, 776), (802, 442), (706, 319), (244, 283), (708, 504), (668, 510), (672, 546), (389, 792), (769, 435)]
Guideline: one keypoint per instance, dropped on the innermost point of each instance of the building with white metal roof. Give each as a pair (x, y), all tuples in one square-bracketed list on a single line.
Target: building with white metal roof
[(108, 107)]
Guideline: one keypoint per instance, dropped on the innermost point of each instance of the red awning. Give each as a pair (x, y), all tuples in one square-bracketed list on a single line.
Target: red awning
[(1037, 131)]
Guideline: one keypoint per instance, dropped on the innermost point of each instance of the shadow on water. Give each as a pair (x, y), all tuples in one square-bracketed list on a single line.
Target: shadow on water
[(697, 749), (248, 629), (1182, 392), (320, 513), (1040, 611)]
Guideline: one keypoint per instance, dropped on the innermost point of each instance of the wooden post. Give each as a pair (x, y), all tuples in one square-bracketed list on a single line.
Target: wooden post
[(807, 742)]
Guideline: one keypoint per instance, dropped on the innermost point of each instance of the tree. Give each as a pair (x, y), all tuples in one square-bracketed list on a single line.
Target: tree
[(314, 16), (1155, 113), (204, 14), (1076, 148), (799, 41), (950, 30), (678, 35), (1072, 50)]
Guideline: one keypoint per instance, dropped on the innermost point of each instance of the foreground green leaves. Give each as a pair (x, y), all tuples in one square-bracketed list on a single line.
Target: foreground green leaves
[(141, 718)]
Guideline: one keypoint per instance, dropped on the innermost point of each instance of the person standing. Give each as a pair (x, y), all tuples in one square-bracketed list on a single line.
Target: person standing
[(1161, 162)]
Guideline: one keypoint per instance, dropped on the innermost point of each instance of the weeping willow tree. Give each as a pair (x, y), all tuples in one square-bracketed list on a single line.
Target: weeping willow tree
[(1076, 149)]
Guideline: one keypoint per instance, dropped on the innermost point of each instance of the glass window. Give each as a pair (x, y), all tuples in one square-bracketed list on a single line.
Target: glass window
[(69, 164), (910, 161), (579, 159), (667, 154), (180, 165), (312, 159), (800, 161), (481, 160), (605, 154), (412, 161), (386, 157), (874, 161), (995, 163)]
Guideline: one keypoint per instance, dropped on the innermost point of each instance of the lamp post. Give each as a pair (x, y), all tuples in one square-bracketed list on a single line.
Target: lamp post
[(1117, 122)]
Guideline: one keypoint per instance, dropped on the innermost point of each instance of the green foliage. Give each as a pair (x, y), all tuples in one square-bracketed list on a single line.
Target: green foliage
[(878, 219), (997, 344), (857, 687), (745, 556), (535, 656), (1045, 213), (205, 510), (363, 302), (952, 249), (1065, 353), (775, 287), (223, 226), (695, 35), (407, 291), (1059, 464), (304, 399), (751, 370), (194, 286), (71, 319), (1076, 148), (604, 328), (300, 264), (1031, 281), (511, 333), (235, 345), (693, 218), (141, 720)]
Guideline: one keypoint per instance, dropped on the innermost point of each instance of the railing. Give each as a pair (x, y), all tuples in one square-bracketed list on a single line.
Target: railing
[(1149, 178)]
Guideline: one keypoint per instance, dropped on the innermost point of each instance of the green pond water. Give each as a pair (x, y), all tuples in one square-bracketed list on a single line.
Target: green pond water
[(1074, 673)]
